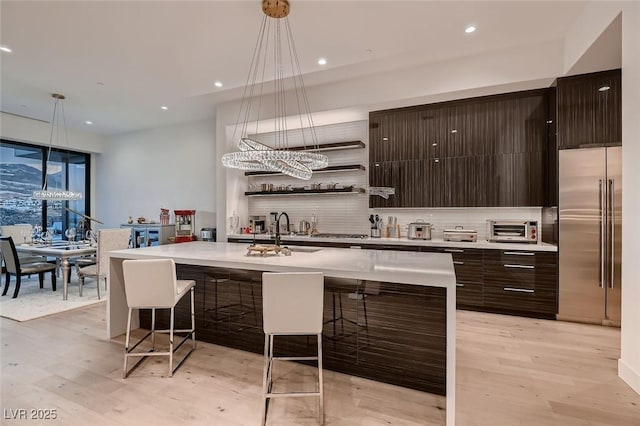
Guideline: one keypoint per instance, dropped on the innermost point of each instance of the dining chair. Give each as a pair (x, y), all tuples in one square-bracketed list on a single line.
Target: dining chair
[(153, 284), (292, 305), (21, 234), (15, 267), (108, 240)]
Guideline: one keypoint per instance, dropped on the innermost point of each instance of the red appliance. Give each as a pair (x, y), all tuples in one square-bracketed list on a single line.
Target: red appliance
[(185, 225)]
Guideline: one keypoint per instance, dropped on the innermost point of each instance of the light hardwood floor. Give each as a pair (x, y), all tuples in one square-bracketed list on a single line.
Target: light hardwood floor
[(511, 371)]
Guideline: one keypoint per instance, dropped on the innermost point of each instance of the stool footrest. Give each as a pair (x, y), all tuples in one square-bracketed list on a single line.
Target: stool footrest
[(295, 358), (292, 394)]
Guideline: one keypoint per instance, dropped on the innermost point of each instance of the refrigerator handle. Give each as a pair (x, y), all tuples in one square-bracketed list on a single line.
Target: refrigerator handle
[(612, 234), (601, 201)]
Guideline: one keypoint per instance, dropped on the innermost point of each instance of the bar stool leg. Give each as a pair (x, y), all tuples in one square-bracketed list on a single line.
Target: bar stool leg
[(193, 318), (320, 380), (126, 345), (153, 329), (171, 343), (265, 374)]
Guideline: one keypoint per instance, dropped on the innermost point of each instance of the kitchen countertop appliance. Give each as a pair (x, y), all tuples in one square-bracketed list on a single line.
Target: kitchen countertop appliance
[(419, 230), (590, 235), (185, 225), (512, 231), (460, 234), (208, 234)]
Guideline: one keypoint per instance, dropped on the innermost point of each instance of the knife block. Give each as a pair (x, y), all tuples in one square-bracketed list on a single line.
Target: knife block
[(392, 231)]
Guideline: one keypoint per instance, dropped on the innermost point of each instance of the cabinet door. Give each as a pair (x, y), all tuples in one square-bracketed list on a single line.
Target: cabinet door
[(516, 180), (396, 136), (407, 177), (587, 115), (458, 182)]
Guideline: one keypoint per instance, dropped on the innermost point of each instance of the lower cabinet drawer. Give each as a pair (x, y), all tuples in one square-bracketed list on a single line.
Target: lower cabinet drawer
[(519, 299), (469, 294)]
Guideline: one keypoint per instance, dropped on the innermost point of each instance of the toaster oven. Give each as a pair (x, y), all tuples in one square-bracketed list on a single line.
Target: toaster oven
[(512, 231)]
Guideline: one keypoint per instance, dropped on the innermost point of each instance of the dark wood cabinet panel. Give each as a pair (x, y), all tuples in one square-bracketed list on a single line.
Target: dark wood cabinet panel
[(409, 178), (468, 264), (521, 281), (481, 152), (396, 136), (458, 182), (516, 180), (587, 115)]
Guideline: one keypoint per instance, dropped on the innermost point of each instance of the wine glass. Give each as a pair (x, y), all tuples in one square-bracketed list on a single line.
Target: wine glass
[(70, 234), (47, 236), (91, 237), (24, 232)]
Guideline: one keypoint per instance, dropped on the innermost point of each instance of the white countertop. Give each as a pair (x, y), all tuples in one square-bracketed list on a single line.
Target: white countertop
[(407, 242), (430, 269)]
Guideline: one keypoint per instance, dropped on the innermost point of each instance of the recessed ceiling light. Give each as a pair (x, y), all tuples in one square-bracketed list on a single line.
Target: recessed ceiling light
[(470, 29), (385, 138), (217, 84), (5, 49), (322, 61), (89, 122), (454, 131), (549, 121), (164, 107), (604, 88)]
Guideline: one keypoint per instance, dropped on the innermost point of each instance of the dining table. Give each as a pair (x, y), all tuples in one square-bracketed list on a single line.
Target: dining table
[(62, 251)]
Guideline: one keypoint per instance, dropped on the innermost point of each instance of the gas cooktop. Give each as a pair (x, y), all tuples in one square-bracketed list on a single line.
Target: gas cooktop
[(330, 235)]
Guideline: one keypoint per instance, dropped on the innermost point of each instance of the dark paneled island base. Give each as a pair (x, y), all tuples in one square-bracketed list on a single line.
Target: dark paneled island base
[(389, 332)]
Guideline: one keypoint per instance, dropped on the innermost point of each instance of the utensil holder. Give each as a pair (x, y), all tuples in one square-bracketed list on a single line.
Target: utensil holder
[(392, 231), (375, 233)]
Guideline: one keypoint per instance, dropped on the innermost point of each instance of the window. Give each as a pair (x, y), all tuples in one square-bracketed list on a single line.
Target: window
[(22, 169)]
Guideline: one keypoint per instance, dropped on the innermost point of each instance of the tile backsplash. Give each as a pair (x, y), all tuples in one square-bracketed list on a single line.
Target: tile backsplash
[(348, 214), (469, 218)]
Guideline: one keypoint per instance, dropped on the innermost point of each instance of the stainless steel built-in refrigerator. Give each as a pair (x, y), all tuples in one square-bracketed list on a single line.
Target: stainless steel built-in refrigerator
[(590, 209)]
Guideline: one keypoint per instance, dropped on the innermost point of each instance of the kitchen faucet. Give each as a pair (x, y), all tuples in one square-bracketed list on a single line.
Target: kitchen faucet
[(278, 227)]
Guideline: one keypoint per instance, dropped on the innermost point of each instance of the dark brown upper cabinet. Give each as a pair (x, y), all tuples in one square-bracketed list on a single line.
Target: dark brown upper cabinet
[(481, 152), (396, 136), (590, 110)]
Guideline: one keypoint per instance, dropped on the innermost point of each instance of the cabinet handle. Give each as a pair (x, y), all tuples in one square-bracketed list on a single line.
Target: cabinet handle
[(509, 265), (355, 247), (454, 250), (519, 290), (457, 262), (520, 253), (459, 285)]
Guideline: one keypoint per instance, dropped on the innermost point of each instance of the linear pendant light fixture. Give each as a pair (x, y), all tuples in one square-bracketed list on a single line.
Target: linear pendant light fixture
[(253, 154), (56, 194)]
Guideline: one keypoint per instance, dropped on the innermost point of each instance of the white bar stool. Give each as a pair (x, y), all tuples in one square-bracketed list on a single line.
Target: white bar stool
[(152, 284), (292, 304)]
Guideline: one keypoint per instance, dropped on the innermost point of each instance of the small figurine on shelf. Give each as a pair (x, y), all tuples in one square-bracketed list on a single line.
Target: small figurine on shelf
[(130, 221)]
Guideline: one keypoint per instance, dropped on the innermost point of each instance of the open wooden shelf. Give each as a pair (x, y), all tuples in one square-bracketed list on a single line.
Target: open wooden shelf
[(345, 168), (308, 191), (334, 146)]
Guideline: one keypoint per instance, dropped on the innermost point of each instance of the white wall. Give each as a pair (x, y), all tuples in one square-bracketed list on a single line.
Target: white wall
[(629, 365), (37, 132), (172, 167)]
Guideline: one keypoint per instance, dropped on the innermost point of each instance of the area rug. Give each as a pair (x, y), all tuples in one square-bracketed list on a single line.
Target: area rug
[(35, 302)]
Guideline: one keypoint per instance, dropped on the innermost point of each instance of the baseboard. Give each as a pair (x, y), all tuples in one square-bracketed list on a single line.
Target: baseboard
[(629, 375)]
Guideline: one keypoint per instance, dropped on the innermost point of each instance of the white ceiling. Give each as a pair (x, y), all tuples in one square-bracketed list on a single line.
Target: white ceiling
[(149, 53)]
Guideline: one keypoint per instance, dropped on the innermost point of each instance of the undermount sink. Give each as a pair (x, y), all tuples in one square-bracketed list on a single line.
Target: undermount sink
[(299, 249)]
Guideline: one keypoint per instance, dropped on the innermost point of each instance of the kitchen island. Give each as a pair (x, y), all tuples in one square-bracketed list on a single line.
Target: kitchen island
[(389, 316)]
